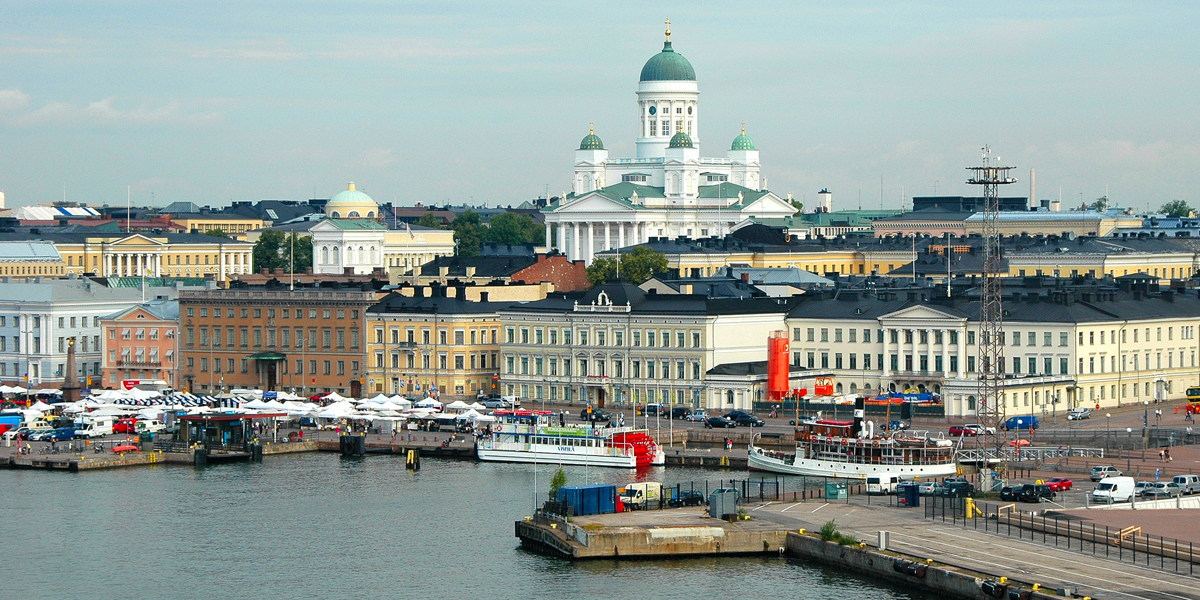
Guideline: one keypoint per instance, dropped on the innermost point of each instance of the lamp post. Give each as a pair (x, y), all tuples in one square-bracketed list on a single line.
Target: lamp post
[(1108, 431)]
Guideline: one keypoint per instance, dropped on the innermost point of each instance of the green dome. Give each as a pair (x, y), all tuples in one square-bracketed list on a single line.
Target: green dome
[(680, 140), (742, 142), (591, 142), (668, 65)]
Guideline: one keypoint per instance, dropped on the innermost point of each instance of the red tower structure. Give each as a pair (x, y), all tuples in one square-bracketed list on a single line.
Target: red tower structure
[(778, 366)]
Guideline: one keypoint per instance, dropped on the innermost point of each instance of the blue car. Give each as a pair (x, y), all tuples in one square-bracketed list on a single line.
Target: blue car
[(1023, 422), (61, 434)]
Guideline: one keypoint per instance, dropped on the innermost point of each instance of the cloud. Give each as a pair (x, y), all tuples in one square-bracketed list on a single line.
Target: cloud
[(272, 50), (378, 158), (379, 48), (102, 113), (13, 100)]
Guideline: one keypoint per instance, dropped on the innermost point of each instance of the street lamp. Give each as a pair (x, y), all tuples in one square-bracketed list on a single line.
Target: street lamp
[(1108, 430)]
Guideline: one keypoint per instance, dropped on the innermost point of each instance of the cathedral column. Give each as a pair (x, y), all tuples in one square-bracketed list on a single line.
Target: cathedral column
[(575, 241), (929, 359), (607, 237), (945, 352), (562, 230), (621, 234), (221, 263), (549, 244), (591, 242), (962, 351)]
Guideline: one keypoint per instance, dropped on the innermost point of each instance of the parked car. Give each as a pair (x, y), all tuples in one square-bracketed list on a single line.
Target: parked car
[(957, 489), (980, 429), (1188, 484), (1032, 492), (1079, 413), (1059, 484), (962, 431), (1101, 472), (687, 498), (1021, 422), (931, 488), (19, 433), (1139, 487), (734, 414), (128, 425), (494, 403), (1019, 443), (1113, 489), (655, 409), (719, 422), (697, 416), (597, 416), (1162, 489), (896, 425), (680, 412), (747, 420), (1009, 492)]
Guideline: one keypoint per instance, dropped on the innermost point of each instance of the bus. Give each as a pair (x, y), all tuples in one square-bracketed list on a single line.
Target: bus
[(1193, 398)]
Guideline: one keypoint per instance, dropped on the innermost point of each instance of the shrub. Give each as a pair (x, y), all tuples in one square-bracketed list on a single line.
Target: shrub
[(829, 532)]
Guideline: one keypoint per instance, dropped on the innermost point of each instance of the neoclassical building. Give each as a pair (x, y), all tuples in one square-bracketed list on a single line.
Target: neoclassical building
[(351, 237), (668, 190)]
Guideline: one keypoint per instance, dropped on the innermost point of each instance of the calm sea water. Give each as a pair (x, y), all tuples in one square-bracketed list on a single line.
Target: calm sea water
[(323, 527)]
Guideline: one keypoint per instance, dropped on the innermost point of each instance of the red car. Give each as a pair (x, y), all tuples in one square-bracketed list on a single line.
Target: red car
[(128, 425), (960, 431), (1019, 443), (1059, 484)]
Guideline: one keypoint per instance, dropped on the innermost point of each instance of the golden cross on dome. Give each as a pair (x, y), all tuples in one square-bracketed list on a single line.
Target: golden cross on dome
[(743, 128), (591, 127), (668, 30)]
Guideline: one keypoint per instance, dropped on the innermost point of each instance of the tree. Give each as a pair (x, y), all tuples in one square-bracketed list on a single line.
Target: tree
[(559, 480), (468, 233), (513, 228), (1176, 208), (304, 253), (637, 266), (1101, 204), (431, 220), (217, 233), (266, 250), (798, 205)]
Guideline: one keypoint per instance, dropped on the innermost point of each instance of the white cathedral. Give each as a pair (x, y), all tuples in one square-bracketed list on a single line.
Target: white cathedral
[(669, 190)]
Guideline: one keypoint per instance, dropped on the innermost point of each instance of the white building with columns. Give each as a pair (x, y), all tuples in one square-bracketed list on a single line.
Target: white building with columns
[(351, 237), (668, 190), (187, 255)]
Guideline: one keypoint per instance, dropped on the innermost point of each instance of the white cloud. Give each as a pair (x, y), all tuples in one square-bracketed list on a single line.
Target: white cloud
[(102, 113), (378, 158), (13, 100)]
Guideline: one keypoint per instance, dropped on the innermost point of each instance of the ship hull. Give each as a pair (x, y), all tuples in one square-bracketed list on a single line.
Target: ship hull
[(759, 460)]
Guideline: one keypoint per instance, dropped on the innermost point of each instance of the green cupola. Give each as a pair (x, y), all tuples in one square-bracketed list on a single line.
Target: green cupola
[(680, 140), (591, 141), (743, 141)]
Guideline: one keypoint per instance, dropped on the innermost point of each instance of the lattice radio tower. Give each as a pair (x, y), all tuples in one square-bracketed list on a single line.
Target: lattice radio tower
[(991, 314)]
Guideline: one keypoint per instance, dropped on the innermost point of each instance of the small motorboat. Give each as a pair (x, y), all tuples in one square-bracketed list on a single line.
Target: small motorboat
[(125, 448)]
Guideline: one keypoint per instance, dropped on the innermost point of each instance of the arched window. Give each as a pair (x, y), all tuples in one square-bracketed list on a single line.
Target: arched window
[(324, 255), (370, 214), (335, 256), (353, 215), (729, 397), (838, 388), (853, 388), (373, 259), (335, 215)]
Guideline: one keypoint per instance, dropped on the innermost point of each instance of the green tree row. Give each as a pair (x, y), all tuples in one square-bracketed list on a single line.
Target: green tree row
[(636, 266), (470, 232), (273, 250)]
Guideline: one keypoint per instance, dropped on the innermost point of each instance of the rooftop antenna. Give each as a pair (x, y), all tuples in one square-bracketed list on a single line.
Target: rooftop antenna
[(128, 207)]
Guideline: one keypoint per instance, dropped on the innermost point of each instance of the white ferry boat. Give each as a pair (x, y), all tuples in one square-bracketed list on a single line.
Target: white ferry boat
[(846, 449), (530, 436)]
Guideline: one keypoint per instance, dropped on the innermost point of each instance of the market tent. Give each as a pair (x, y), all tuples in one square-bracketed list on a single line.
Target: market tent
[(40, 406), (428, 403), (335, 397), (256, 405), (14, 389), (458, 406), (478, 406)]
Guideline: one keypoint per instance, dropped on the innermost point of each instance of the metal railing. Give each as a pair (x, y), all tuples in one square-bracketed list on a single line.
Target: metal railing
[(1027, 453), (1127, 544)]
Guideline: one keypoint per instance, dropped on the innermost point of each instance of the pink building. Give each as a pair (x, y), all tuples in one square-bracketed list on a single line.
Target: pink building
[(141, 343)]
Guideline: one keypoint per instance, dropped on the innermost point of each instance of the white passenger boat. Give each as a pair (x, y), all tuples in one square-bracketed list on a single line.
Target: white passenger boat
[(530, 436)]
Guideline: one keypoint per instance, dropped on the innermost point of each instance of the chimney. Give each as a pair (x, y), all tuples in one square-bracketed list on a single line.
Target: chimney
[(1033, 203), (470, 272), (483, 296), (443, 272), (745, 278)]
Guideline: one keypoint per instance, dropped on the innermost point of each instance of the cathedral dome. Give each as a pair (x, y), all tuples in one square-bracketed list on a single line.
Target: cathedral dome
[(743, 142), (591, 141), (668, 65), (680, 140), (351, 204)]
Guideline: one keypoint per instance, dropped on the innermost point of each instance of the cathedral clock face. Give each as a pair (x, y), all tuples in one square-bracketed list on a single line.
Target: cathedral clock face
[(689, 110), (653, 110)]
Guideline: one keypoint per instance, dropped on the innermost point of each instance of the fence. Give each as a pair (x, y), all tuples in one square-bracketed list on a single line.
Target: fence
[(873, 409), (1127, 545)]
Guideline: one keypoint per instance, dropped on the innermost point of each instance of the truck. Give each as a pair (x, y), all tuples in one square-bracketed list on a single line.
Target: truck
[(1113, 489), (641, 495)]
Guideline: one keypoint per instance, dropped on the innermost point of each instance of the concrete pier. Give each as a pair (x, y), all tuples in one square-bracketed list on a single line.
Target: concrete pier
[(649, 534)]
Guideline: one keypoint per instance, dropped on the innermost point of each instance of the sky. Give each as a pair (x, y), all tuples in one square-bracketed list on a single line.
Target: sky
[(475, 102)]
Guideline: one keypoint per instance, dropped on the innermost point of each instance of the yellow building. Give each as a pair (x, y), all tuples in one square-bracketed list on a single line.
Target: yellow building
[(153, 255), (30, 258), (230, 224), (416, 344)]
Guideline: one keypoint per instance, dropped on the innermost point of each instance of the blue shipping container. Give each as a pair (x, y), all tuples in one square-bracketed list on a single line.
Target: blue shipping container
[(590, 499)]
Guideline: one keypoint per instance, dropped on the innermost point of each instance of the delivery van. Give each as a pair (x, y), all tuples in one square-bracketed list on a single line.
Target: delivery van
[(883, 483), (1113, 489), (640, 496)]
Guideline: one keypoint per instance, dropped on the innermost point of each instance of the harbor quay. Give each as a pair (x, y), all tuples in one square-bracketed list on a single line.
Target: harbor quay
[(910, 547)]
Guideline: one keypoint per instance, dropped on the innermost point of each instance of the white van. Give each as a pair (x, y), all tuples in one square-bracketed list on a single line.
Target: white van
[(883, 483), (1113, 489), (1190, 484), (97, 426)]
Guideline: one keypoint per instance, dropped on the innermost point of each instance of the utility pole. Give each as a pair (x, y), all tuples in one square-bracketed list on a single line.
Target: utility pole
[(991, 314)]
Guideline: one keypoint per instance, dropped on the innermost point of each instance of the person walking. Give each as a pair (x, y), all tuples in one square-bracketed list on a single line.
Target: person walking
[(1160, 455), (1167, 453)]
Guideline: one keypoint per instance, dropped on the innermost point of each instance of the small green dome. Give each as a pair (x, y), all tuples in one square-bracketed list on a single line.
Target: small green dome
[(591, 141), (668, 65), (742, 142), (680, 140)]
